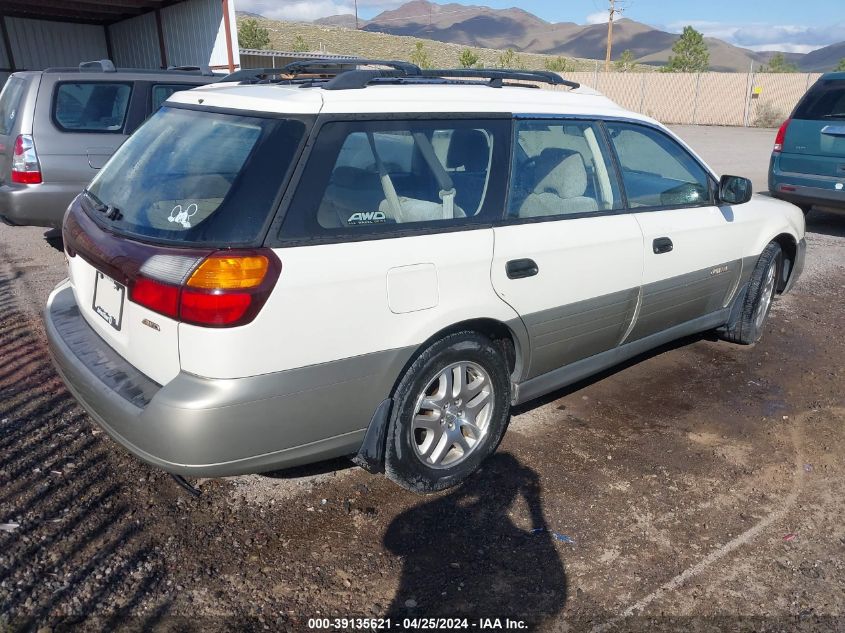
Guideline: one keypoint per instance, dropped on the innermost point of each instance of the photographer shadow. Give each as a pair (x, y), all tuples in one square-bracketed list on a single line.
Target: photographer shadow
[(465, 557)]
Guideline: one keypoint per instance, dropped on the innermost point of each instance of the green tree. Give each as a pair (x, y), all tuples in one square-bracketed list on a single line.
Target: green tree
[(420, 57), (841, 67), (300, 45), (559, 64), (778, 64), (690, 53), (252, 35), (467, 59), (509, 59), (625, 63)]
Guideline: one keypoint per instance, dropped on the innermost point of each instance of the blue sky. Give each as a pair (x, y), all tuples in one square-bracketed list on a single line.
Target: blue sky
[(790, 25)]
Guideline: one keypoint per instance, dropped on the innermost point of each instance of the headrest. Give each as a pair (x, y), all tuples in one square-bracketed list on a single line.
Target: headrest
[(353, 178), (561, 172), (468, 149)]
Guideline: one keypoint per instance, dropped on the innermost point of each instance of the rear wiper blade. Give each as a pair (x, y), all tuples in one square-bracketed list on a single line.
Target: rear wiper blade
[(834, 115), (98, 204), (109, 210)]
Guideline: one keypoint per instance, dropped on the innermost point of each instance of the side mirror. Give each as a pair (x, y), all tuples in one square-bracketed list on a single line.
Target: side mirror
[(734, 190)]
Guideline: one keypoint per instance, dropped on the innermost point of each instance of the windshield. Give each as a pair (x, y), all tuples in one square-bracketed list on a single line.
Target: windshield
[(197, 176)]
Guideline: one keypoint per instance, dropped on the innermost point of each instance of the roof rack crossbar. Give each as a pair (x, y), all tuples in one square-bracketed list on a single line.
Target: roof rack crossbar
[(329, 66), (540, 76), (252, 74)]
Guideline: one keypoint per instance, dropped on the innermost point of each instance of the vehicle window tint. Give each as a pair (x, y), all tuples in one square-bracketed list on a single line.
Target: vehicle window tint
[(162, 92), (10, 101), (388, 175), (656, 170), (91, 107), (198, 177), (560, 168), (825, 100)]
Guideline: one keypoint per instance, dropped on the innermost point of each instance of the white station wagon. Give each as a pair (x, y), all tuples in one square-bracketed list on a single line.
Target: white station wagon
[(380, 262)]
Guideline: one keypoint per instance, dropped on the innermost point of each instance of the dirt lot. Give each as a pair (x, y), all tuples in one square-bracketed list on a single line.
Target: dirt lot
[(699, 487)]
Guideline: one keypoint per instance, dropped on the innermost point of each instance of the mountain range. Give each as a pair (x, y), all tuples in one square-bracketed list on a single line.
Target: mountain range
[(475, 25)]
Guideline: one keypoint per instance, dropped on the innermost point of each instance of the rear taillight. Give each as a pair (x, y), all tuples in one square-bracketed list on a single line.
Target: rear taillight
[(781, 136), (25, 167), (226, 289)]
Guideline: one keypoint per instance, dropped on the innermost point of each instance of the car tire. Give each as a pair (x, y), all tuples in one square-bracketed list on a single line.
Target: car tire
[(450, 410), (746, 327)]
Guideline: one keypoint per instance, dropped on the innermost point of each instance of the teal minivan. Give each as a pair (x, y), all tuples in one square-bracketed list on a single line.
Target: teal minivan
[(808, 160)]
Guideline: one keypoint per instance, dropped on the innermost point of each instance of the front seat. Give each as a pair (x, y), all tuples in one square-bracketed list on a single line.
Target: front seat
[(467, 161), (560, 184)]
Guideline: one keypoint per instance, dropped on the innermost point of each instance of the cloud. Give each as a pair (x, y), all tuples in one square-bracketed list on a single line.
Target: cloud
[(599, 17), (790, 38), (308, 10)]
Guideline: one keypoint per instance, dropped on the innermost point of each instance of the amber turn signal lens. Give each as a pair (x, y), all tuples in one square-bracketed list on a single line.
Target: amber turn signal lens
[(230, 273)]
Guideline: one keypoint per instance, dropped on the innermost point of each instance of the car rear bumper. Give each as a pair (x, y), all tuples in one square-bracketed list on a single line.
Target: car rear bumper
[(806, 189), (212, 428), (43, 204)]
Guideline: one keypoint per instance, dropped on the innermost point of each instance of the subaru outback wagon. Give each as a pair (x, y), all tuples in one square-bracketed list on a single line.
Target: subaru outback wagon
[(381, 262), (59, 126)]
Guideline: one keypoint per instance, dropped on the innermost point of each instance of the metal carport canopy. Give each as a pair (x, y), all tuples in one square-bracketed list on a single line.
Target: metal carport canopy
[(106, 13)]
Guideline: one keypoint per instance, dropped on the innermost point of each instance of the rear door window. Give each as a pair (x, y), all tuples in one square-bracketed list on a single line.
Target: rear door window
[(91, 106), (656, 170), (197, 177), (10, 102), (824, 101), (372, 177), (162, 92)]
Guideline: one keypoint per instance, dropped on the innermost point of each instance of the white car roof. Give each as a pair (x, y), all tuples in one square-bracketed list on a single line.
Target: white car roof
[(413, 98)]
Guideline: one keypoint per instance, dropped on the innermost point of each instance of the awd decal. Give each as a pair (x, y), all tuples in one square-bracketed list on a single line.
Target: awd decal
[(367, 217)]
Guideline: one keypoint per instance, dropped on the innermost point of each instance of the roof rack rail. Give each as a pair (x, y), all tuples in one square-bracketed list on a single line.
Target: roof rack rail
[(100, 65), (346, 74), (317, 66), (202, 70), (358, 79)]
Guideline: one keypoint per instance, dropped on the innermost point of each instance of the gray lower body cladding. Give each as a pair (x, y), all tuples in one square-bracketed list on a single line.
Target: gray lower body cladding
[(214, 427)]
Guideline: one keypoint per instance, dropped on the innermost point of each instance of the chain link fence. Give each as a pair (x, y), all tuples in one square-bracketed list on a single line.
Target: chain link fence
[(738, 99)]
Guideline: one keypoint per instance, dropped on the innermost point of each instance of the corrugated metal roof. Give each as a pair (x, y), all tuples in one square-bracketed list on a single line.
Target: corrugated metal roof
[(87, 11)]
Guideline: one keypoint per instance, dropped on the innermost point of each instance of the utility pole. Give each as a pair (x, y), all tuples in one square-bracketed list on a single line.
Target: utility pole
[(611, 14), (357, 27)]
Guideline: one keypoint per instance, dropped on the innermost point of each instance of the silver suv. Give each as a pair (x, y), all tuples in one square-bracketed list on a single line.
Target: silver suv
[(59, 126)]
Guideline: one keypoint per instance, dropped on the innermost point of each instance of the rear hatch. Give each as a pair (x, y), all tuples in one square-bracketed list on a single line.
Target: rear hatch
[(815, 137), (170, 230)]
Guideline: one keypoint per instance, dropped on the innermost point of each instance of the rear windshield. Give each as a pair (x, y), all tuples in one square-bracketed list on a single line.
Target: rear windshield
[(10, 101), (825, 100), (199, 177)]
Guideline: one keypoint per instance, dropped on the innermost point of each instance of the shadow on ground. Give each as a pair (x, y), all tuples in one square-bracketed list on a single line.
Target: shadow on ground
[(464, 555)]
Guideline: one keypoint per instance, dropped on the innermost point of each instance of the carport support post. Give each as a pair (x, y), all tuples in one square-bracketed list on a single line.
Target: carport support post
[(162, 49), (228, 28)]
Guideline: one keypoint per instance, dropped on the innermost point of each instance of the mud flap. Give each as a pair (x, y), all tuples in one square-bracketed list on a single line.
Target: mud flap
[(370, 456), (736, 309)]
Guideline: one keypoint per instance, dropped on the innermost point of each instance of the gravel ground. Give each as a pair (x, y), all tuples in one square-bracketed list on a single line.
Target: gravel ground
[(700, 486)]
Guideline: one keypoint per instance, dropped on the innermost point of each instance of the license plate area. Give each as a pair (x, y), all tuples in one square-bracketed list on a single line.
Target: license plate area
[(109, 296)]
